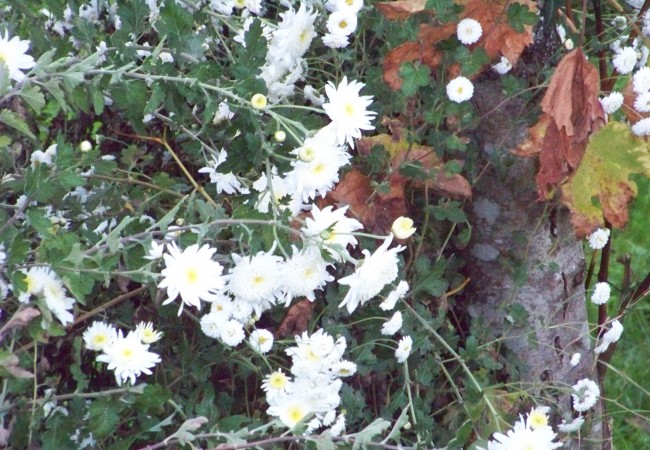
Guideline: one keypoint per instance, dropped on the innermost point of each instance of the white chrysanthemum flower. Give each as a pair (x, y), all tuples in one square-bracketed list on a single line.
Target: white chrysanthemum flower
[(146, 332), (155, 251), (641, 80), (348, 110), (612, 335), (317, 169), (57, 300), (404, 348), (598, 239), (575, 359), (332, 40), (612, 102), (12, 55), (469, 31), (223, 114), (128, 357), (290, 411), (376, 271), (232, 333), (352, 6), (524, 436), (339, 426), (625, 60), (572, 426), (585, 394), (191, 274), (642, 102), (393, 325), (342, 22), (35, 279), (602, 292), (225, 182), (314, 354), (99, 335), (538, 417), (344, 368), (396, 294), (261, 340), (642, 127), (503, 66), (276, 384), (331, 229), (255, 280), (304, 273), (279, 186), (460, 89), (212, 323), (403, 228)]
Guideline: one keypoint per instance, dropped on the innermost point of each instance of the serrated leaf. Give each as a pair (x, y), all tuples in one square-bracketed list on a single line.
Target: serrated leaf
[(103, 417), (366, 435), (414, 76), (39, 221), (12, 120), (601, 188), (34, 97), (519, 15)]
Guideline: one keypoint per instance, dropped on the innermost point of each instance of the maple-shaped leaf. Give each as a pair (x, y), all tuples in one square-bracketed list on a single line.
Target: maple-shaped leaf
[(601, 187), (574, 113)]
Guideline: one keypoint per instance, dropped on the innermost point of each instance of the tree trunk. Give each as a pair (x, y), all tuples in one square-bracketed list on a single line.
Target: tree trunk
[(523, 256)]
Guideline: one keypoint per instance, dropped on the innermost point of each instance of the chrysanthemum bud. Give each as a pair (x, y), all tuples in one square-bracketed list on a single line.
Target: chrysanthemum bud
[(403, 228), (306, 154), (258, 101), (280, 136), (85, 146)]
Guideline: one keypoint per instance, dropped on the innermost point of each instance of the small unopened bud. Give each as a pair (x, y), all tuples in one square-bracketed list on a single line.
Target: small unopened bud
[(403, 228), (180, 221), (258, 101), (85, 146), (407, 426), (306, 154), (280, 136)]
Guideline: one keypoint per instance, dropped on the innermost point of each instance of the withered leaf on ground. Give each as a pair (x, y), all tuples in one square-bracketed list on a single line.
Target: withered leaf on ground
[(20, 319), (296, 320), (498, 38), (400, 9)]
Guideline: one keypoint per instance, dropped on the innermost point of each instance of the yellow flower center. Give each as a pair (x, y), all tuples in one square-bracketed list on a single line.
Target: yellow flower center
[(99, 340), (277, 380), (538, 419), (343, 24), (311, 355), (349, 109), (303, 36), (318, 168), (258, 279), (191, 275), (127, 353), (295, 413)]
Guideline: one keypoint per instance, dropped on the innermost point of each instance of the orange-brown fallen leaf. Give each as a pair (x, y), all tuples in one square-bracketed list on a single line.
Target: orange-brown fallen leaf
[(400, 9), (296, 320), (498, 38)]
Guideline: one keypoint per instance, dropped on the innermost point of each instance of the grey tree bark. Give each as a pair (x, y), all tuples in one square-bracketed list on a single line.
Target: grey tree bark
[(523, 252)]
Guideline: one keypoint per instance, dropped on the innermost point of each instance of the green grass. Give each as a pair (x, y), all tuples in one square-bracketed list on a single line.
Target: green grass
[(628, 383)]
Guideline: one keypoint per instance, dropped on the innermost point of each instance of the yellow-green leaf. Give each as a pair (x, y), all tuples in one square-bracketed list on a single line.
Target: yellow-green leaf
[(601, 188)]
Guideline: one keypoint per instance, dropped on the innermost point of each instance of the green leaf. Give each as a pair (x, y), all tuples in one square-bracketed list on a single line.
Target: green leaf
[(34, 97), (519, 15), (39, 221), (366, 435), (104, 415), (5, 79), (176, 24), (601, 188), (414, 76), (12, 120), (70, 180)]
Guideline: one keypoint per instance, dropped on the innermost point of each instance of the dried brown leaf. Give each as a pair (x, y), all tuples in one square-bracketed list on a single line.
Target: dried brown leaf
[(400, 9), (20, 319), (296, 320)]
